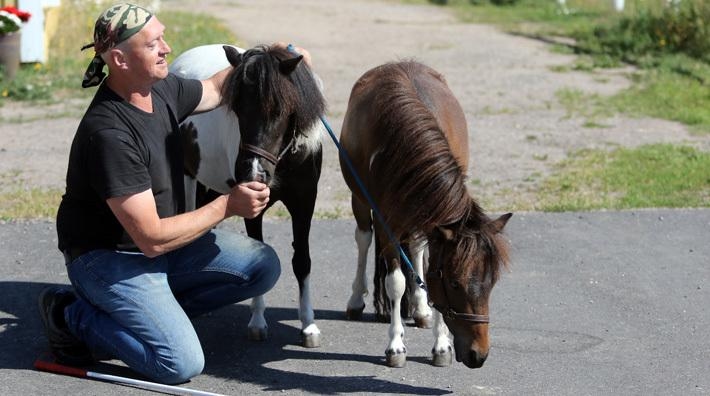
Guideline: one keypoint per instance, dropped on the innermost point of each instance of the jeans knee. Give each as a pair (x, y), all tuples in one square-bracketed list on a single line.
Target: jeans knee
[(180, 369), (270, 267)]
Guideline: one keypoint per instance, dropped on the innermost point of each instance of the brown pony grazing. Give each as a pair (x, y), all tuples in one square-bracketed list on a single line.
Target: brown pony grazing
[(406, 136)]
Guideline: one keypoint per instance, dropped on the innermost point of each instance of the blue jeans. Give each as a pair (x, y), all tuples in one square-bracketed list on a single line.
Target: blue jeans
[(138, 309)]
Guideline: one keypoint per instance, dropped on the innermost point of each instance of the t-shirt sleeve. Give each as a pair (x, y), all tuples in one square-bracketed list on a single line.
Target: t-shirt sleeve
[(116, 166), (186, 94)]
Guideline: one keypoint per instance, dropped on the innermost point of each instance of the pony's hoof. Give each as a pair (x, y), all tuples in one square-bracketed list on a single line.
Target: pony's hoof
[(310, 340), (397, 360), (258, 334), (443, 359), (425, 322), (354, 313)]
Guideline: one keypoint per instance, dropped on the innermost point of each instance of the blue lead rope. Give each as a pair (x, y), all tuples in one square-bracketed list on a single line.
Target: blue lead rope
[(371, 201)]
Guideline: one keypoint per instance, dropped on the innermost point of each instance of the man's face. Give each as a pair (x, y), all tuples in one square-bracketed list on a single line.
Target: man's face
[(146, 52)]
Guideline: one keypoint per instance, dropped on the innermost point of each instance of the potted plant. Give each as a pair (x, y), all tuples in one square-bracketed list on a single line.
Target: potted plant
[(11, 20)]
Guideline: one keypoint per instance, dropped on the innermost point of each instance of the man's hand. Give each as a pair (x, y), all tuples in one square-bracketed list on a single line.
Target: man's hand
[(248, 200), (299, 50)]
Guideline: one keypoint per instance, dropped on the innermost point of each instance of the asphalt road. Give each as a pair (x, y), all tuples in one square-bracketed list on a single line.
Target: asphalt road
[(596, 304)]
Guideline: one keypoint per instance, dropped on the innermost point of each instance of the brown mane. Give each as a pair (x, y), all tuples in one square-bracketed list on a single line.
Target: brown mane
[(426, 186), (478, 236)]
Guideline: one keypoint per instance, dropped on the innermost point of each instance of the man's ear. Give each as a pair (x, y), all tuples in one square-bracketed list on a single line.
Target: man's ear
[(116, 58)]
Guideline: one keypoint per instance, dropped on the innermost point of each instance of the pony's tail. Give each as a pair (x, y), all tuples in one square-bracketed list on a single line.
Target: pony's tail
[(382, 303), (379, 297)]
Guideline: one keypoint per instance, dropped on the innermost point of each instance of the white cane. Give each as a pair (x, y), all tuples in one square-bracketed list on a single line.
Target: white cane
[(153, 386)]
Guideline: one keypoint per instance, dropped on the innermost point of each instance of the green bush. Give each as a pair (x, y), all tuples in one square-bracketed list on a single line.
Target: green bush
[(479, 2), (503, 2), (682, 28)]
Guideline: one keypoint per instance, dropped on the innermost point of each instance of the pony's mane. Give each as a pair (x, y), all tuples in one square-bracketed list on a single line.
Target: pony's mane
[(277, 94), (426, 186)]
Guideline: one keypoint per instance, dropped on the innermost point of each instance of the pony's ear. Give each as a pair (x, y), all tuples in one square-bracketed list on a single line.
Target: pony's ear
[(233, 56), (498, 224), (446, 232), (289, 65)]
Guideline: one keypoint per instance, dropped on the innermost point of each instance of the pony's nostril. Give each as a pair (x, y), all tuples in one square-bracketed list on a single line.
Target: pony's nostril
[(262, 176), (477, 359)]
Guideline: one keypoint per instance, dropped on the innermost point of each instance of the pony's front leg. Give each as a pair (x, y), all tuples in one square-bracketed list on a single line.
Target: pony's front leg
[(421, 310), (301, 209), (395, 285), (441, 353)]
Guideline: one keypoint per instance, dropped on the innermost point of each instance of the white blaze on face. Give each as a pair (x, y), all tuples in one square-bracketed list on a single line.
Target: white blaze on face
[(253, 169)]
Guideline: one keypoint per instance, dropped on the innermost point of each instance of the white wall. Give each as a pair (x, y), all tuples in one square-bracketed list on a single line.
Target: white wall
[(33, 45)]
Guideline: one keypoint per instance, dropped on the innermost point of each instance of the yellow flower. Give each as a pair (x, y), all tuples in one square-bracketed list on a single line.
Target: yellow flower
[(662, 43), (38, 66), (5, 93)]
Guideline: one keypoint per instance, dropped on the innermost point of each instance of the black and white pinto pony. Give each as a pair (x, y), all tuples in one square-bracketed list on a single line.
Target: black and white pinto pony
[(268, 129)]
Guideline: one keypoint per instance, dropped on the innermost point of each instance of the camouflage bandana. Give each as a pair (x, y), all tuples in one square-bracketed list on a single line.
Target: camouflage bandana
[(114, 26)]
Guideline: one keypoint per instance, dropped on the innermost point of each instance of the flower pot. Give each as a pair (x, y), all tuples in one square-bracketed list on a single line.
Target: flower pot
[(10, 54)]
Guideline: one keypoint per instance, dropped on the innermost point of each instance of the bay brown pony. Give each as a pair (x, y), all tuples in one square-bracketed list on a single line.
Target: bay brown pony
[(406, 136)]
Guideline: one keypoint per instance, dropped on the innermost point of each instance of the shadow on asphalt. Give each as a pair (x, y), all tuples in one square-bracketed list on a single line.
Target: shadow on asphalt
[(253, 362), (229, 354)]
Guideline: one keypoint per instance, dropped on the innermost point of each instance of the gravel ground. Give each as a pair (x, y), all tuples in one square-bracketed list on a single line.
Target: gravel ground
[(506, 85)]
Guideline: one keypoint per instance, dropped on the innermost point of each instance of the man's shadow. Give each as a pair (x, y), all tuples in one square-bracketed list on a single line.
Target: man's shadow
[(228, 352)]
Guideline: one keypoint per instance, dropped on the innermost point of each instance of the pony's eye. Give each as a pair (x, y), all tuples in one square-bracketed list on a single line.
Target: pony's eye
[(454, 285)]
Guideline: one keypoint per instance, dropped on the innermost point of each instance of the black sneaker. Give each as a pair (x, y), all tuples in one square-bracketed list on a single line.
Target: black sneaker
[(66, 348)]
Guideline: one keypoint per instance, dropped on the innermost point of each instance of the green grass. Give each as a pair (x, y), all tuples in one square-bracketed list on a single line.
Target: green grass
[(677, 89), (29, 203), (657, 175), (532, 17), (580, 104)]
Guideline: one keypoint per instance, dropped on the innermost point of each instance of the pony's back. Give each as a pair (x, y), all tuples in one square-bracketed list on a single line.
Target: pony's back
[(408, 134)]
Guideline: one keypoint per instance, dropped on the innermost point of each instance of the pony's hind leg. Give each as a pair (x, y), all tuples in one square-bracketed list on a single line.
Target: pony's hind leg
[(395, 285), (363, 238), (441, 352), (421, 312), (257, 329)]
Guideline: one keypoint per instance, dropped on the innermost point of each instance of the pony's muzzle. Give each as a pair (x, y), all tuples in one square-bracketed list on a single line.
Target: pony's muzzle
[(474, 359), (251, 169)]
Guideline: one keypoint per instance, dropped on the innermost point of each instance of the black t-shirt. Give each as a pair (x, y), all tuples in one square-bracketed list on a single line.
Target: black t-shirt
[(121, 150)]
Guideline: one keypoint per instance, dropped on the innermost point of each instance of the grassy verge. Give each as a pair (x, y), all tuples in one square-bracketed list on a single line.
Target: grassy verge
[(34, 203), (676, 89), (649, 176), (670, 47)]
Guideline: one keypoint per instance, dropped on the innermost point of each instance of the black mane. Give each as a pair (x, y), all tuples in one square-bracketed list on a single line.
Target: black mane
[(277, 94)]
